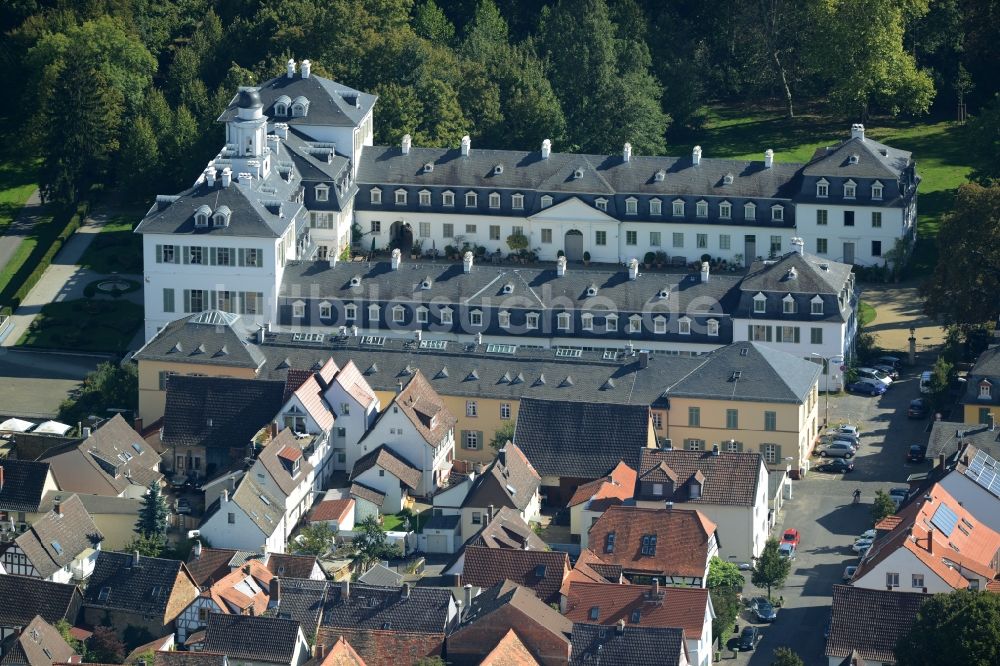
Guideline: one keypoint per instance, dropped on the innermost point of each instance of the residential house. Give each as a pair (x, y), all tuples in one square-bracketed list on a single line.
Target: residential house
[(647, 606), (244, 591), (510, 650), (308, 416), (572, 443), (541, 571), (589, 568), (337, 514), (253, 518), (286, 565), (209, 423), (729, 488), (23, 484), (61, 546), (936, 546), (356, 407), (24, 598), (189, 658), (981, 399), (440, 534), (387, 626), (38, 644), (671, 545), (420, 429), (283, 471), (867, 624), (385, 474), (257, 641), (973, 480), (506, 529), (505, 607), (509, 482), (382, 576), (131, 590), (592, 499), (340, 654), (298, 599), (208, 565), (622, 644)]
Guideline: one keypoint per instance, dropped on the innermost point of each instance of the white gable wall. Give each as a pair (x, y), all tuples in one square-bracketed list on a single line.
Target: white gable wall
[(396, 430)]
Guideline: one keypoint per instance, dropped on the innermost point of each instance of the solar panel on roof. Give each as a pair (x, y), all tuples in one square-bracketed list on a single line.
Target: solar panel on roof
[(984, 470), (944, 519)]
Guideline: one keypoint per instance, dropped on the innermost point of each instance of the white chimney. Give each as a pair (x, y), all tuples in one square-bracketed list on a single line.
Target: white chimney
[(210, 176), (245, 179), (467, 262), (197, 544), (291, 68), (397, 257), (633, 269), (225, 495), (405, 146), (704, 271), (858, 131), (546, 149), (281, 129), (466, 145), (696, 155), (768, 158), (561, 266), (467, 595), (306, 67), (798, 245), (227, 177), (627, 153)]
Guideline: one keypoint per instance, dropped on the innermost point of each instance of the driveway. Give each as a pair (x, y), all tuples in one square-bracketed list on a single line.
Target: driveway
[(822, 510)]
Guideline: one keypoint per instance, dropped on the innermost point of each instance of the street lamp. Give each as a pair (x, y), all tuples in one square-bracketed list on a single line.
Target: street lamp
[(826, 365)]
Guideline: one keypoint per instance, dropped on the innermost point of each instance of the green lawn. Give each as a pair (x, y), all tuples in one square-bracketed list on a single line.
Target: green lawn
[(116, 249), (394, 521), (866, 313), (17, 182), (84, 325), (938, 148)]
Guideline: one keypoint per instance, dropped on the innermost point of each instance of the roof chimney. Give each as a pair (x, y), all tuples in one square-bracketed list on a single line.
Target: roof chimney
[(345, 589), (633, 269), (281, 129), (227, 177), (275, 591), (643, 360), (467, 594), (405, 145), (467, 262), (210, 176), (768, 158), (656, 587), (246, 179), (621, 626), (704, 271), (546, 149), (406, 590), (135, 558), (561, 266), (397, 257), (798, 245), (696, 156), (197, 550), (306, 68), (57, 507), (858, 131), (225, 495), (715, 449), (466, 145), (291, 68), (930, 540), (627, 153)]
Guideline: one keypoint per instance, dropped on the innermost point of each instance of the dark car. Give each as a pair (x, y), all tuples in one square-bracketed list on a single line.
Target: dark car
[(748, 638), (866, 388), (918, 409), (917, 454), (837, 466), (763, 610)]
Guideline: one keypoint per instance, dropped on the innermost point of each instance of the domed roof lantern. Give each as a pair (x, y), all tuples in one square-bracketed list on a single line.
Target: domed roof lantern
[(249, 99)]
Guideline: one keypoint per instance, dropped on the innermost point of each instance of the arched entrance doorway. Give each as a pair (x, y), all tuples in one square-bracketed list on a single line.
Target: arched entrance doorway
[(401, 236), (573, 245)]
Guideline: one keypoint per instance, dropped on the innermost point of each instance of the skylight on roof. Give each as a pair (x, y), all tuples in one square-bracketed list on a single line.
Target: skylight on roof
[(610, 355), (56, 546), (500, 349), (265, 500), (214, 318), (944, 519), (307, 337), (433, 344), (569, 352), (137, 449), (373, 340), (104, 594)]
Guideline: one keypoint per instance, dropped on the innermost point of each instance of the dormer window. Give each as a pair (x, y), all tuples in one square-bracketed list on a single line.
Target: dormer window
[(777, 213), (684, 326), (373, 314), (660, 176), (531, 321), (611, 323), (476, 318), (398, 314), (376, 195), (876, 191), (822, 188), (281, 105), (503, 319), (448, 198), (300, 107), (325, 311), (563, 320), (816, 305), (631, 206), (425, 198), (635, 324), (428, 167), (299, 309), (712, 327), (850, 189), (201, 216), (422, 315), (725, 210), (759, 303), (400, 197), (788, 304), (322, 193), (655, 207), (660, 325), (350, 312), (649, 544), (587, 321), (701, 208), (985, 390), (678, 205), (517, 201), (497, 170), (221, 216), (494, 199), (446, 315), (601, 204), (471, 199), (694, 489), (749, 213), (546, 201)]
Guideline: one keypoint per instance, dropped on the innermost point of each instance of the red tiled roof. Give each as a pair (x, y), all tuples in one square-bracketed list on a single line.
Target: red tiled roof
[(328, 371), (584, 571), (293, 380), (232, 590), (683, 607), (510, 651), (290, 454), (619, 484), (342, 654), (485, 567), (332, 510), (682, 540), (310, 394), (355, 384)]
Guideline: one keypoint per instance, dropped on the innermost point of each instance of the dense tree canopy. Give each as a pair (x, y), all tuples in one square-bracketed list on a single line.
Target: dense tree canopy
[(962, 627)]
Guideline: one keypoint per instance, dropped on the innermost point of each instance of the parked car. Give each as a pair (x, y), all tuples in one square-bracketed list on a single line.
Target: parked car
[(837, 466), (925, 381), (838, 450), (763, 610), (846, 437), (849, 572), (869, 534), (894, 361), (917, 454), (863, 550), (748, 639), (918, 409), (892, 373), (878, 375), (183, 505), (854, 431), (791, 536), (867, 387), (786, 550), (861, 544), (899, 491)]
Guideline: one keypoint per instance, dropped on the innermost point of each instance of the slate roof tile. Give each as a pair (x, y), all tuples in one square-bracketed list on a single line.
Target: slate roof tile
[(22, 483), (731, 478), (25, 597), (300, 600), (386, 457), (39, 644), (636, 646), (252, 638), (145, 589), (870, 621), (510, 480), (424, 611), (54, 541), (541, 571)]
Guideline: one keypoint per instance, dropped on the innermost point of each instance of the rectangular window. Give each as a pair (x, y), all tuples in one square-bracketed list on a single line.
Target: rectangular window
[(447, 198), (770, 453), (425, 198), (400, 197), (876, 219), (759, 333), (517, 202), (654, 238), (891, 579), (600, 238), (164, 376), (657, 420), (725, 210), (701, 209), (471, 440), (876, 248), (678, 209), (168, 300), (531, 321), (724, 242), (655, 207), (631, 206), (196, 254), (376, 227), (917, 581), (471, 408), (749, 211), (694, 416), (694, 444), (702, 241), (425, 229), (822, 189), (775, 245), (822, 217), (166, 254), (789, 334), (195, 300), (448, 229), (770, 421), (505, 411), (470, 228), (678, 239), (471, 199), (546, 236), (631, 237), (821, 246), (517, 231), (376, 195), (477, 517), (611, 324), (252, 302), (733, 419), (446, 316), (495, 232), (984, 415), (816, 336), (231, 518), (224, 300), (848, 218)]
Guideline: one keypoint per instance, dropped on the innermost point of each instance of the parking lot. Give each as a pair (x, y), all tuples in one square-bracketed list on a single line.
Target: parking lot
[(822, 510)]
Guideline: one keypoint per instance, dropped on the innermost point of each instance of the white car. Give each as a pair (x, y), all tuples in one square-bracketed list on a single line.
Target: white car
[(877, 375), (868, 534), (861, 544), (854, 431)]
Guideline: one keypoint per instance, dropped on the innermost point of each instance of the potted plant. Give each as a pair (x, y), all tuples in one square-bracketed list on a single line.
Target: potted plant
[(415, 251), (649, 259), (661, 258), (737, 261), (480, 251), (586, 258), (560, 253), (517, 242), (450, 251)]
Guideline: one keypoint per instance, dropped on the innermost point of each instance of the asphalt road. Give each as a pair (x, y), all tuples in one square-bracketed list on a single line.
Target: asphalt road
[(821, 509)]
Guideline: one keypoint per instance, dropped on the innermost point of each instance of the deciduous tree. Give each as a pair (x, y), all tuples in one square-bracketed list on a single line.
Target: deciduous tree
[(882, 507), (786, 656), (770, 569), (724, 574), (316, 539), (962, 627), (371, 544)]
